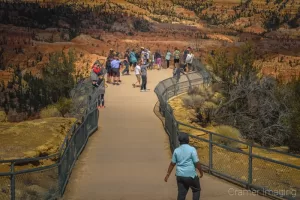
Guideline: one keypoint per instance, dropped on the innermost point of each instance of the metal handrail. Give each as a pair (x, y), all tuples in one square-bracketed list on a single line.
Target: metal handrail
[(171, 125)]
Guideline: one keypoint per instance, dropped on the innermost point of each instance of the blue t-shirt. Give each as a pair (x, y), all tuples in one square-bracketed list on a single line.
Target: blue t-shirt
[(115, 64), (185, 158)]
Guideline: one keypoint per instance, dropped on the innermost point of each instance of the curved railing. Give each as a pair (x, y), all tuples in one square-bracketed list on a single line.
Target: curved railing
[(49, 181), (248, 167)]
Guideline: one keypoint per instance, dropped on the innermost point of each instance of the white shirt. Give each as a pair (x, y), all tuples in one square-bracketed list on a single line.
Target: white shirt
[(189, 58), (137, 69)]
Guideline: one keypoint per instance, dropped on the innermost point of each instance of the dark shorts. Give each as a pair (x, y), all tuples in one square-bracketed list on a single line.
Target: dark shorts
[(176, 60), (115, 72), (108, 72), (133, 64)]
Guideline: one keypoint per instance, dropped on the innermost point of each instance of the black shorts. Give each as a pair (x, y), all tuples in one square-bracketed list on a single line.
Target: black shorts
[(115, 72), (176, 60), (132, 64), (109, 72)]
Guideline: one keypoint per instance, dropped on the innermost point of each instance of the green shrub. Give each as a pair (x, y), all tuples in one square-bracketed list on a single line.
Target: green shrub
[(49, 111), (195, 101), (64, 106), (230, 132), (2, 116)]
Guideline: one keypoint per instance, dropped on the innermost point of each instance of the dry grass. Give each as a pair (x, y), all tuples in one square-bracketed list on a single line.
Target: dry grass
[(32, 138)]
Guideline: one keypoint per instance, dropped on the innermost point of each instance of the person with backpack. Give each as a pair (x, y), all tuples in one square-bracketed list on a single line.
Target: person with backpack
[(186, 160), (132, 59), (168, 58), (176, 55), (189, 61), (185, 53)]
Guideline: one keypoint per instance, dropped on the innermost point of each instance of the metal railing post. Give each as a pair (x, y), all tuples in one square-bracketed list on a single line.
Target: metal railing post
[(190, 84), (12, 182), (210, 153), (250, 167)]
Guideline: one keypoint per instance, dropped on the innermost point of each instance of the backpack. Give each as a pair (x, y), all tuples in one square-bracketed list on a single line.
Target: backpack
[(146, 55), (132, 57), (189, 58), (176, 54)]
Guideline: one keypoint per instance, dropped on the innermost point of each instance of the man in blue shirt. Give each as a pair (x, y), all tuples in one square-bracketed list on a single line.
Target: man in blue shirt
[(186, 160), (115, 67)]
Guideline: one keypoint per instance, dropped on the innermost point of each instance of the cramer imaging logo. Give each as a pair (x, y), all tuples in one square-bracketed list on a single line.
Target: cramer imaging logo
[(280, 193)]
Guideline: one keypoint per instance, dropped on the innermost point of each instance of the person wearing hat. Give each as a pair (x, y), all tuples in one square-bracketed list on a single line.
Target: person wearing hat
[(186, 160), (97, 77), (142, 54)]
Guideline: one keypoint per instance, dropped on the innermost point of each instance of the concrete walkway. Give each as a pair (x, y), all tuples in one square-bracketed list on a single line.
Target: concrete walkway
[(128, 157)]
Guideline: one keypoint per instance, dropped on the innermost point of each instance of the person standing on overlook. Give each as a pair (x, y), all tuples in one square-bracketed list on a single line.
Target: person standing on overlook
[(126, 69), (144, 78), (185, 53), (157, 57), (186, 160), (137, 71), (168, 58), (108, 68), (132, 59), (97, 77), (115, 67), (176, 55), (189, 61)]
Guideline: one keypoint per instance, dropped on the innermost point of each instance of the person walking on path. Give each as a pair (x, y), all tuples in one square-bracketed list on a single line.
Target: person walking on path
[(115, 67), (189, 61), (176, 74), (168, 58), (132, 59), (157, 57), (144, 78), (176, 55), (137, 71), (186, 160)]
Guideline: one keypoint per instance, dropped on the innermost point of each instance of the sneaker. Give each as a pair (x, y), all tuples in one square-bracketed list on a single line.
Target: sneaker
[(142, 90), (99, 107)]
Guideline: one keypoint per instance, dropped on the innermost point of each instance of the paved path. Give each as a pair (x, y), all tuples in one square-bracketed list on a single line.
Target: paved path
[(127, 158)]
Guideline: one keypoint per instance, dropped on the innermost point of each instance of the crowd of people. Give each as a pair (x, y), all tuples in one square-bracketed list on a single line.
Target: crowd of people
[(138, 62)]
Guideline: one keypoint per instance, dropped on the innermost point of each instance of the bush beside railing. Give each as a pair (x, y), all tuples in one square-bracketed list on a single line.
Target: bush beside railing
[(49, 182), (277, 179)]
